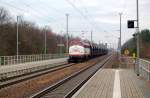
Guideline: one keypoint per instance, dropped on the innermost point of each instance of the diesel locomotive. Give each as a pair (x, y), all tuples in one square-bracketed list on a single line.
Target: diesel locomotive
[(81, 50)]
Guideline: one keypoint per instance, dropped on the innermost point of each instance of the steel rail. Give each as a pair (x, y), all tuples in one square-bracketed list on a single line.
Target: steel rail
[(15, 80), (64, 80)]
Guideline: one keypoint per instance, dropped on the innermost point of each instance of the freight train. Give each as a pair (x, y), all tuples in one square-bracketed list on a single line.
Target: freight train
[(81, 50)]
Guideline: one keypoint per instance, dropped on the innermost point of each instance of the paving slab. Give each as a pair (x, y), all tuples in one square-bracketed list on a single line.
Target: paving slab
[(112, 83)]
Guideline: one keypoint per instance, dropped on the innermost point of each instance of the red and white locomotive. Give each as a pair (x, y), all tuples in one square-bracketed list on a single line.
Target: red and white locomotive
[(80, 50)]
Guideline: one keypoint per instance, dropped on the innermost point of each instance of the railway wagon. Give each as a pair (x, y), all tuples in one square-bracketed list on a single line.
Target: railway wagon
[(81, 50)]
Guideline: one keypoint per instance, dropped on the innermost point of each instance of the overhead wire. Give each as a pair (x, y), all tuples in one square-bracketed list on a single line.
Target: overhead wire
[(93, 24), (38, 15), (35, 14), (50, 8), (39, 12), (53, 9), (16, 8), (81, 13), (62, 14)]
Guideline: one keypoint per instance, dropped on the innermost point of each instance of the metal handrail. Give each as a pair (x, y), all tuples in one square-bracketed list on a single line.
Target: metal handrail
[(144, 68), (12, 60)]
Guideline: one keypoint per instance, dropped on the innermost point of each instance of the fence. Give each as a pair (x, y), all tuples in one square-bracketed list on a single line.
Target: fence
[(127, 62), (144, 69), (11, 60)]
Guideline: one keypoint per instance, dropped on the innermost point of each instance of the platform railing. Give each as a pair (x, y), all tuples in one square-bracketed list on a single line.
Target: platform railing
[(144, 69), (12, 60), (127, 60)]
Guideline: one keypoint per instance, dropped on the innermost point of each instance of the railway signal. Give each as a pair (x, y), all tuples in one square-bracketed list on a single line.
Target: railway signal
[(126, 52), (131, 24)]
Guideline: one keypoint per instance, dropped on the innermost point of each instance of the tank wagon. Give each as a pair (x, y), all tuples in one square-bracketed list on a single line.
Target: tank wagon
[(81, 50)]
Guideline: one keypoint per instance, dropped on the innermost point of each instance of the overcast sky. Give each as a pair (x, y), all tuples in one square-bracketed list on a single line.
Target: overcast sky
[(99, 16)]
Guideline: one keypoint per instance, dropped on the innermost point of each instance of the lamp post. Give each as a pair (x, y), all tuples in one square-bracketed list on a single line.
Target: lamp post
[(45, 42), (60, 45), (91, 36), (67, 44), (17, 42), (120, 14)]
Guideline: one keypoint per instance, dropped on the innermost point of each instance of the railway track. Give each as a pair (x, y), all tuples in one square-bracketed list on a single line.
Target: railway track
[(69, 85), (29, 87), (16, 79)]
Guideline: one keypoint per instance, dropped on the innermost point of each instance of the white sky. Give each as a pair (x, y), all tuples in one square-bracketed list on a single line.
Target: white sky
[(99, 16)]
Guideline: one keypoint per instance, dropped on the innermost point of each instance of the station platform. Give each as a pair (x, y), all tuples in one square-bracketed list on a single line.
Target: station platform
[(13, 68), (114, 83)]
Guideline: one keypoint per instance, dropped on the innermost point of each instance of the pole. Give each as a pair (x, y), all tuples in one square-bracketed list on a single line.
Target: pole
[(138, 45), (91, 36), (138, 39), (45, 49), (120, 14), (118, 45), (120, 32), (67, 44), (17, 51), (60, 43)]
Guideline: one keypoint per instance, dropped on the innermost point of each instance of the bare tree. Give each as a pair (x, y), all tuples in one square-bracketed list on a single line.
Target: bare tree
[(31, 37), (4, 16)]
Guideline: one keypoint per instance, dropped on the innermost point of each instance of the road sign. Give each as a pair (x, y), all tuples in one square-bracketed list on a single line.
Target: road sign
[(126, 52)]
